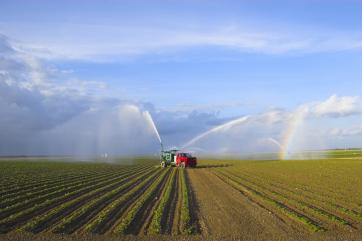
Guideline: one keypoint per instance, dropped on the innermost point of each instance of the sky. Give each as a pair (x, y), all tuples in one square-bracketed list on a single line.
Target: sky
[(78, 77)]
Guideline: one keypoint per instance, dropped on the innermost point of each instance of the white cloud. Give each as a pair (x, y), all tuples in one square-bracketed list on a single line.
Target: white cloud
[(346, 132), (39, 116), (110, 42), (337, 106)]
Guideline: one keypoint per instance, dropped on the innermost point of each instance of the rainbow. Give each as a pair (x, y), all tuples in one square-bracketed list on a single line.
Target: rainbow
[(289, 135)]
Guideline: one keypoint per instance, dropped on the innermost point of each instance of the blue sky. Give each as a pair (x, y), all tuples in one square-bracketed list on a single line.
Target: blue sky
[(232, 58)]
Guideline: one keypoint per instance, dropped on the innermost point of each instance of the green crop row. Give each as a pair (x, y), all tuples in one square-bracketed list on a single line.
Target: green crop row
[(74, 217), (31, 185), (315, 198), (127, 219), (301, 205), (49, 173), (334, 179), (36, 222), (101, 216), (322, 194), (79, 177), (60, 192), (257, 196), (5, 202), (46, 203), (185, 209), (155, 226)]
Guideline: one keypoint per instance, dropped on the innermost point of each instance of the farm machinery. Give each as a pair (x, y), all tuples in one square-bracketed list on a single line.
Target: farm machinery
[(177, 158), (172, 157)]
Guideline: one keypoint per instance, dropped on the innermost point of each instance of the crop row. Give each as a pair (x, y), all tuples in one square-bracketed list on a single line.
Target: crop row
[(325, 193), (293, 201), (123, 226), (314, 198), (58, 193), (20, 216), (19, 182), (185, 207), (137, 199), (7, 202), (72, 222), (160, 211), (42, 222), (105, 219), (335, 179), (32, 186), (270, 203)]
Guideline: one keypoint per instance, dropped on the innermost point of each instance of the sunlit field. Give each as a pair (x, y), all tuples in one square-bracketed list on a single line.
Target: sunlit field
[(305, 198)]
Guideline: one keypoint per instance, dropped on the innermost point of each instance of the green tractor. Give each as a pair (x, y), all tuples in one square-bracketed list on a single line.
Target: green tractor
[(176, 158)]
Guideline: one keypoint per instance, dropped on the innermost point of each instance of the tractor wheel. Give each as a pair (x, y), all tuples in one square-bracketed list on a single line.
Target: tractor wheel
[(163, 164)]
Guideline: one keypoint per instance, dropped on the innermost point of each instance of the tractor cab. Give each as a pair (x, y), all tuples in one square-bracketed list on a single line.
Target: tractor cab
[(177, 158)]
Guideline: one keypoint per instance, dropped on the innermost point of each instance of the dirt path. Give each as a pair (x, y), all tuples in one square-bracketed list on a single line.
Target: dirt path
[(223, 211)]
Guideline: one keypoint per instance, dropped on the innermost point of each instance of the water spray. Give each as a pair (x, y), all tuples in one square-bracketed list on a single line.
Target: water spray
[(153, 126), (277, 143), (222, 127)]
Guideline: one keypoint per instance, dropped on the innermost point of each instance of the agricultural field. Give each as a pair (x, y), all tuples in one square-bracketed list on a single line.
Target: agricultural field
[(220, 199)]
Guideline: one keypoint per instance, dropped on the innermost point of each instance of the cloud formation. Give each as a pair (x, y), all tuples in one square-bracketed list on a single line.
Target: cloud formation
[(338, 106), (39, 116), (41, 113), (120, 42), (354, 131)]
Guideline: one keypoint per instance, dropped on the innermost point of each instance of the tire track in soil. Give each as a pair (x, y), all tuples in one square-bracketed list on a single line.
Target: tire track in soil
[(112, 219), (142, 220), (53, 221), (11, 225), (170, 219)]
